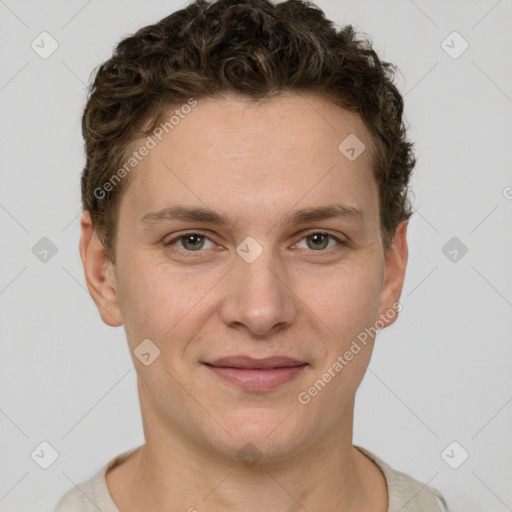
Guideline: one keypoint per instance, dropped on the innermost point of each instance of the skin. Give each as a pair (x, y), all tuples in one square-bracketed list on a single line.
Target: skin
[(256, 163)]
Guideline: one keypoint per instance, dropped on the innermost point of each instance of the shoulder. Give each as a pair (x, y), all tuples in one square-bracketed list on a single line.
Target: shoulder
[(407, 494), (92, 494)]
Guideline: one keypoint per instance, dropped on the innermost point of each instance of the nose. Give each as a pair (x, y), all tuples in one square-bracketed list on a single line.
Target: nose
[(259, 296)]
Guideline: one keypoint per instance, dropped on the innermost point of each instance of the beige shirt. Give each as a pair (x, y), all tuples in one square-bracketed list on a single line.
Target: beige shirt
[(405, 493)]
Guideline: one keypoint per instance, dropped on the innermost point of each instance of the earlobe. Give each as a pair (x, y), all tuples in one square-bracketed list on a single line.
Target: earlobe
[(99, 274), (394, 275)]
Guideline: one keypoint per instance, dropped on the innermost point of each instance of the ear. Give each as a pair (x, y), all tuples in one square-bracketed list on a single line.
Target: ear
[(394, 275), (99, 273)]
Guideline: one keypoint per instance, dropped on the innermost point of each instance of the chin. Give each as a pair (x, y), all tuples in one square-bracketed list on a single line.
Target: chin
[(261, 435)]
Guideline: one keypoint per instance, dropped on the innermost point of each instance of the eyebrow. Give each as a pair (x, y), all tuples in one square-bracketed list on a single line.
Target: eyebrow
[(206, 215)]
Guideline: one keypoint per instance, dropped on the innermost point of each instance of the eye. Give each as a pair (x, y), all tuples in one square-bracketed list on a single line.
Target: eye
[(190, 242), (318, 241)]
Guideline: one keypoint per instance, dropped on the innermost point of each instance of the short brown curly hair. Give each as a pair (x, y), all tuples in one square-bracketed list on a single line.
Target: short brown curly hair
[(248, 47)]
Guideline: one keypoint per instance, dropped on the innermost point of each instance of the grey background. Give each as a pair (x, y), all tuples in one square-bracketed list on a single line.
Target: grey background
[(440, 374)]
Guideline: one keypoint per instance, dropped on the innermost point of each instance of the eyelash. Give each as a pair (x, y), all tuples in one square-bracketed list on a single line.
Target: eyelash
[(190, 254)]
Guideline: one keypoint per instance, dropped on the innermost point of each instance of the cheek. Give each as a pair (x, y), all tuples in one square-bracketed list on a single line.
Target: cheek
[(152, 302), (348, 305), (167, 306), (345, 300)]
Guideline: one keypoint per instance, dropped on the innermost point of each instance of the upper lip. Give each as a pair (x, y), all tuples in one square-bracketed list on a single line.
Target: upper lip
[(252, 363)]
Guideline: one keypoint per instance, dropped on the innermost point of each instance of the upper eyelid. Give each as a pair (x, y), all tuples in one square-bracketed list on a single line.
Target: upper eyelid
[(176, 238)]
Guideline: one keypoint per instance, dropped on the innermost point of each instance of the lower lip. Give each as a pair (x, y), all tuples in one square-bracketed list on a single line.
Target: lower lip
[(257, 379)]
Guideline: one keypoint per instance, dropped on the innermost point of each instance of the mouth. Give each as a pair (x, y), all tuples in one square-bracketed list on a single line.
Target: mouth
[(257, 374)]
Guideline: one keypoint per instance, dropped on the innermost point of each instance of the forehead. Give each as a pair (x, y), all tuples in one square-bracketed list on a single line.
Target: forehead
[(288, 128), (257, 156)]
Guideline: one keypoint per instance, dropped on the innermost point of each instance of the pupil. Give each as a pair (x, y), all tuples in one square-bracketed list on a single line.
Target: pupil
[(316, 237), (190, 240)]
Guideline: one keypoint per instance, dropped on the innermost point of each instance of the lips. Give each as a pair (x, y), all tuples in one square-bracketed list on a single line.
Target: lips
[(252, 374), (261, 364)]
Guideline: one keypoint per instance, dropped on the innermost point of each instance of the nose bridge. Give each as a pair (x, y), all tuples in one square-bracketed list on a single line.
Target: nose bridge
[(260, 275), (258, 296)]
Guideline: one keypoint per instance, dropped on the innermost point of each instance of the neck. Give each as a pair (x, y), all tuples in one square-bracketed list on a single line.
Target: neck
[(174, 472)]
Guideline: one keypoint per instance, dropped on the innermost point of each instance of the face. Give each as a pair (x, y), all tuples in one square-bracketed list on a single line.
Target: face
[(280, 271)]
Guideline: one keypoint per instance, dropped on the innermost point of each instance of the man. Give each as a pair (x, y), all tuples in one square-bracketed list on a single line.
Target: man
[(245, 218)]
